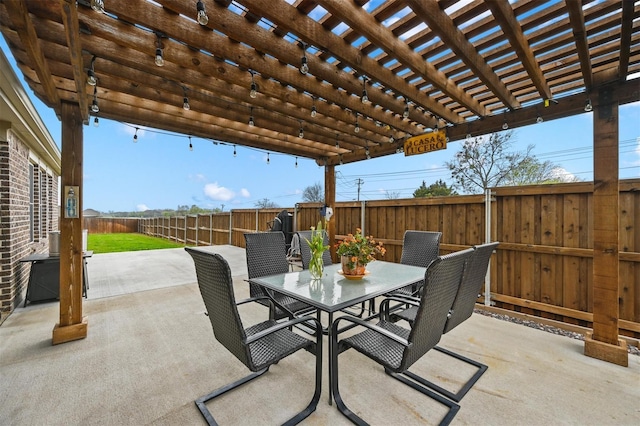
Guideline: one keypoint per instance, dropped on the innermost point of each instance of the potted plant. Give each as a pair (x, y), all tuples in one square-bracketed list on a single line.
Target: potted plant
[(357, 251)]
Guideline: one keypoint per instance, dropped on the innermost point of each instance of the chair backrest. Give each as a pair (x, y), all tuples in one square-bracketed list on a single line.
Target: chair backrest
[(216, 287), (420, 248), (305, 251), (441, 282), (266, 255), (471, 286)]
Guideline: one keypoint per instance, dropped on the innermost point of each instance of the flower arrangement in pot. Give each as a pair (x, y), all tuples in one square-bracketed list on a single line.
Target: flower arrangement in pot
[(357, 251)]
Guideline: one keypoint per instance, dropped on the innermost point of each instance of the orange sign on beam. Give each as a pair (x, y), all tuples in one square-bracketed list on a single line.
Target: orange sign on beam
[(427, 142)]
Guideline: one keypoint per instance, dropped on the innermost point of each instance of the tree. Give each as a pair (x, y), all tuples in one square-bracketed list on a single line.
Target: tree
[(313, 193), (392, 195), (265, 204), (439, 188), (485, 162)]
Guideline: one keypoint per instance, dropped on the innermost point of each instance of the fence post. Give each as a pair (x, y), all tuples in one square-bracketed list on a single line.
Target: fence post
[(487, 239), (362, 217), (257, 214), (230, 226)]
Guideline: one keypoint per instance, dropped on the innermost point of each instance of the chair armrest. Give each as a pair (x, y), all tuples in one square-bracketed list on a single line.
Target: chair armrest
[(285, 324), (255, 299), (363, 323), (403, 299)]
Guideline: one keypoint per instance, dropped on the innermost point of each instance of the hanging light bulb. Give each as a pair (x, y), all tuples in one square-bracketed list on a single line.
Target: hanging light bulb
[(251, 122), (96, 122), (357, 128), (469, 136), (341, 159), (366, 152), (97, 5), (159, 57), (296, 162), (203, 19), (268, 161), (587, 106), (301, 132), (539, 119), (314, 111), (337, 143), (94, 104), (253, 92), (365, 96), (185, 104), (405, 114), (190, 145), (505, 125), (391, 139), (304, 65), (234, 151), (135, 136), (91, 75)]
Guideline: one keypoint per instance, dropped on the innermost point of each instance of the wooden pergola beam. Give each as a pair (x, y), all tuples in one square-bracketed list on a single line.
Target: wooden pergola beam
[(441, 24), (69, 13), (580, 36), (625, 37), (503, 13), (22, 22)]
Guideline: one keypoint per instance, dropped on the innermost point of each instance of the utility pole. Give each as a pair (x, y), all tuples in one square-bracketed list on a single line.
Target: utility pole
[(359, 182)]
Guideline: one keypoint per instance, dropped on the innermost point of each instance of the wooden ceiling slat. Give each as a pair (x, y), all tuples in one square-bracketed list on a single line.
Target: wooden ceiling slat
[(625, 38), (23, 25), (440, 23), (580, 37), (503, 13), (69, 16)]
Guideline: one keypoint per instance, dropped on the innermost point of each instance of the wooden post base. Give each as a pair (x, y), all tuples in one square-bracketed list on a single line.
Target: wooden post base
[(70, 332), (605, 351)]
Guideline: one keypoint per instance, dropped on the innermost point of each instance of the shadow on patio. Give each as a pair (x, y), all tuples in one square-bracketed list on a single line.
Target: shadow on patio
[(150, 353)]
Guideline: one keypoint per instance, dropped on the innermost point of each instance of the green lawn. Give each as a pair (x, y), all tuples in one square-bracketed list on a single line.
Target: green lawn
[(111, 243)]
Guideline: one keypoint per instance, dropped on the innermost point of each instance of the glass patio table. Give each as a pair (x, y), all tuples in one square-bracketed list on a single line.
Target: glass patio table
[(335, 292)]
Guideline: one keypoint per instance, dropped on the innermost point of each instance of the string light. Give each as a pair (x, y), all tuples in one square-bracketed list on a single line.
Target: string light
[(234, 151), (268, 161), (391, 139), (505, 125), (301, 132), (366, 152), (365, 96), (203, 19), (185, 100), (190, 145), (304, 65), (251, 122), (405, 114), (296, 162), (337, 143), (341, 159), (539, 119), (314, 111), (357, 128), (94, 104), (135, 136), (159, 53), (97, 5), (587, 106), (91, 75), (96, 122), (253, 88)]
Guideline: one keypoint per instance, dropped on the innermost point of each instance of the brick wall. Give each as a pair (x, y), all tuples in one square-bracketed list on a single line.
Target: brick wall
[(15, 219)]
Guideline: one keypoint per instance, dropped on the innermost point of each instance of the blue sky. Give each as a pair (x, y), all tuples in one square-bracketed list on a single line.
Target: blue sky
[(159, 171)]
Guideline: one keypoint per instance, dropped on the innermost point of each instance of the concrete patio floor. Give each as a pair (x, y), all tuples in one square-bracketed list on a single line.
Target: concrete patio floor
[(150, 353)]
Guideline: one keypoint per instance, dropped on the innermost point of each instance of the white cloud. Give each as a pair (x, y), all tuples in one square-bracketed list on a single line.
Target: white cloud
[(198, 177), (142, 207), (217, 192), (563, 175), (245, 193)]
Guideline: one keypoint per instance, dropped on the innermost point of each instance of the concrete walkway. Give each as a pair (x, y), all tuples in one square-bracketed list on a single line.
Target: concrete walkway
[(150, 353)]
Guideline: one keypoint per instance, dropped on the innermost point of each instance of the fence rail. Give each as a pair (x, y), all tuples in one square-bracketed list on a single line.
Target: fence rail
[(543, 265)]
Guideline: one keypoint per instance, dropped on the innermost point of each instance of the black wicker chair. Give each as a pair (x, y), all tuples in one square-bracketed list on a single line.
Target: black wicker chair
[(266, 255), (419, 248), (258, 346), (397, 348), (462, 308), (305, 252)]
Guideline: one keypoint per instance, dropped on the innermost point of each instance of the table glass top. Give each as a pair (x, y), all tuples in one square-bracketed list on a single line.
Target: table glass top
[(334, 292)]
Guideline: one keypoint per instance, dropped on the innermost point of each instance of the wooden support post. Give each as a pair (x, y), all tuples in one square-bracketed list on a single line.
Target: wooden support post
[(330, 200), (604, 343), (72, 325)]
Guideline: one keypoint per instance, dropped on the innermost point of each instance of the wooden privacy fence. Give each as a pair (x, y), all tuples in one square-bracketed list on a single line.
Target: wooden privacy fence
[(543, 265), (110, 225)]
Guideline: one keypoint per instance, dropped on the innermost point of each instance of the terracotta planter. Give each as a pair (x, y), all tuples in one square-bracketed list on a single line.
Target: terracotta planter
[(357, 269)]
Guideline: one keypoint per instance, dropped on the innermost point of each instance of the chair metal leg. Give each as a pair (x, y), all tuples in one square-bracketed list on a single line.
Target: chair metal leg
[(453, 407), (457, 397)]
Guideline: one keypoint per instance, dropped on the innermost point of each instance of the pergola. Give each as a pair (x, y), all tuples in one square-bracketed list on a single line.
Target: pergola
[(337, 81)]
